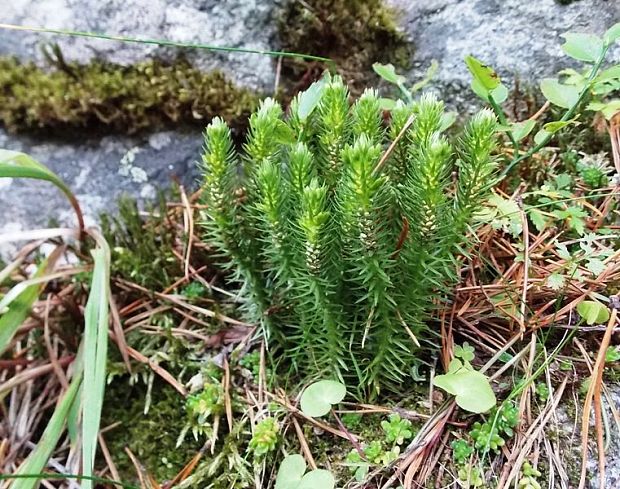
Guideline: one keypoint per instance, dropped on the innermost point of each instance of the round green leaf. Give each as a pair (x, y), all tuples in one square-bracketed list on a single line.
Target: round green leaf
[(309, 99), (584, 47), (387, 103), (608, 109), (520, 130), (613, 33), (500, 93), (291, 472), (471, 389), (318, 398), (558, 94), (447, 119), (388, 73), (317, 479), (540, 136), (593, 312), (484, 75)]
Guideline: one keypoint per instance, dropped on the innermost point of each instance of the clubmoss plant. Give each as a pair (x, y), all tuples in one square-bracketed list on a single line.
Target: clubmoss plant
[(343, 247)]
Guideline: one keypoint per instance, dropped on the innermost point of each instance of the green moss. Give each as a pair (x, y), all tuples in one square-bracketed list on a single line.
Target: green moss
[(354, 33), (142, 248), (151, 437), (109, 97)]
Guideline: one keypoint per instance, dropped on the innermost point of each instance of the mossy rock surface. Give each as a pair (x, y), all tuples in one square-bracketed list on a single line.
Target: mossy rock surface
[(127, 99), (353, 33)]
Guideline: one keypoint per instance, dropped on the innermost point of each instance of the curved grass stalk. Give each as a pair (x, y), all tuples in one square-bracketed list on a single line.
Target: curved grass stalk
[(165, 42)]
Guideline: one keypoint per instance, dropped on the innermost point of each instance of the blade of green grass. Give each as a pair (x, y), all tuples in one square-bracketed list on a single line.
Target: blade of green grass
[(37, 460), (95, 354), (165, 42), (14, 164), (19, 308)]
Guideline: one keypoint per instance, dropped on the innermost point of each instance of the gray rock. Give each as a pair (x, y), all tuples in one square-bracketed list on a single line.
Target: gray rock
[(569, 433), (518, 38), (99, 172), (231, 23)]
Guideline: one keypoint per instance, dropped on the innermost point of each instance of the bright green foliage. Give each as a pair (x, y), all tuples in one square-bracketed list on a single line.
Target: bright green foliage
[(343, 260), (265, 438), (461, 451), (292, 475), (206, 404), (488, 435), (594, 169), (470, 477), (318, 398), (251, 361), (111, 97), (396, 430), (471, 388), (528, 477)]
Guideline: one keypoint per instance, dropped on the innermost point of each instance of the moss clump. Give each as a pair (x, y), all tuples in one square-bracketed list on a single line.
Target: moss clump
[(151, 437), (109, 97), (142, 248), (353, 33)]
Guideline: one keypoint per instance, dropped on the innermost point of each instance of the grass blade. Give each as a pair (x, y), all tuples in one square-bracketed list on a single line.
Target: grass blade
[(95, 354), (166, 42), (19, 308), (37, 460), (14, 164)]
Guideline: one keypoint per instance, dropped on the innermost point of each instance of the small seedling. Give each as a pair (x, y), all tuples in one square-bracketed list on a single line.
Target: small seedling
[(612, 354), (265, 438), (461, 451), (471, 388), (396, 430), (528, 477)]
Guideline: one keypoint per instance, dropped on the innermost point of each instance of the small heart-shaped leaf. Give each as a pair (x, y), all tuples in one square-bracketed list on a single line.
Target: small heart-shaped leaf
[(318, 398), (291, 471), (317, 479), (593, 312), (470, 388), (558, 94)]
